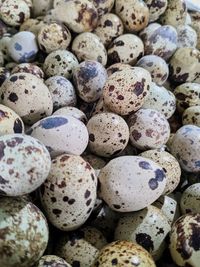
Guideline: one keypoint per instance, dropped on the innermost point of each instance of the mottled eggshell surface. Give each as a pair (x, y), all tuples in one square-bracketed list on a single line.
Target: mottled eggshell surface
[(69, 194), (156, 8), (28, 68), (10, 122), (125, 91), (23, 231), (148, 228), (28, 96), (190, 199), (124, 254), (52, 261), (72, 111), (191, 116), (185, 147), (184, 240), (131, 183), (61, 134), (24, 164)]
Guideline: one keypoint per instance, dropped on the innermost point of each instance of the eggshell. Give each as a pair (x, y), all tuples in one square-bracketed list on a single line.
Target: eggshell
[(52, 261), (190, 199)]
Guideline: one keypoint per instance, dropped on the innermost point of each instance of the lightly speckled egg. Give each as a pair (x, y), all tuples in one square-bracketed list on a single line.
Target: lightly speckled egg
[(149, 129), (187, 36), (184, 240), (109, 27), (28, 96), (125, 91), (14, 12), (72, 111), (170, 166), (23, 47), (123, 254), (52, 261), (89, 78), (190, 199), (79, 16), (108, 134), (28, 68), (54, 36), (10, 122), (25, 164), (69, 193), (88, 46), (134, 14), (61, 134), (60, 62), (127, 48), (24, 233), (187, 95), (157, 67), (185, 147), (160, 99), (143, 183), (148, 228), (191, 116), (156, 8), (62, 91)]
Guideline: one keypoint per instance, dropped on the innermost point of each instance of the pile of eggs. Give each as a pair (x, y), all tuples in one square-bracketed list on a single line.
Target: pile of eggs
[(99, 133)]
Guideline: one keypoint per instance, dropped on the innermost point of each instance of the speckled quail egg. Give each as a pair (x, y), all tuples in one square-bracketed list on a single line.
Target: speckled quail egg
[(123, 254), (169, 207), (61, 134), (88, 46), (157, 67), (109, 27), (28, 96), (60, 62), (4, 74), (161, 100), (148, 129), (125, 91), (25, 164), (89, 78), (134, 14), (24, 233), (187, 95), (175, 14), (79, 16), (148, 228), (190, 199), (185, 147), (108, 134), (156, 8), (62, 91), (170, 166), (72, 111), (40, 7), (10, 122), (127, 48), (184, 240), (14, 12), (29, 68), (54, 36), (23, 47), (195, 23), (191, 116), (117, 67), (187, 36), (161, 42), (143, 183), (185, 69), (32, 25), (69, 193), (103, 6), (4, 42), (52, 261)]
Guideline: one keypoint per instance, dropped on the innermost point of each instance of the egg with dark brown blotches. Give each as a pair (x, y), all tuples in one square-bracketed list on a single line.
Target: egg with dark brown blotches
[(143, 183), (69, 193), (103, 6), (52, 261), (156, 8), (24, 233)]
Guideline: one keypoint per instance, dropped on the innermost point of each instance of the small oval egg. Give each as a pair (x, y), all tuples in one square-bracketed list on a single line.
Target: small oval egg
[(24, 233), (156, 8), (61, 134), (52, 261), (149, 129), (124, 254), (143, 183), (10, 122), (25, 164), (69, 193), (190, 199), (191, 116), (185, 147), (148, 228)]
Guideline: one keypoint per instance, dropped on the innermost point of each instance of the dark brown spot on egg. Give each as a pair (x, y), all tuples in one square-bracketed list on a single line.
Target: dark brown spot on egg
[(13, 97), (136, 135), (91, 137), (139, 87), (3, 181), (71, 201), (145, 241), (114, 262), (18, 128), (87, 193), (153, 183), (57, 212), (2, 148)]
